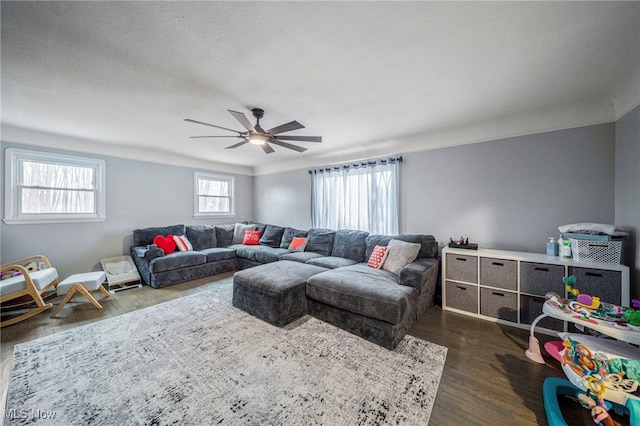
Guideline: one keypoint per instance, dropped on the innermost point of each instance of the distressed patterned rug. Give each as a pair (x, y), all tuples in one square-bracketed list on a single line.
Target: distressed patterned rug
[(199, 360)]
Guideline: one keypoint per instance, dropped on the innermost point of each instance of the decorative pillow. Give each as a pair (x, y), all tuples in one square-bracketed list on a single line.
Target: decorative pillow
[(251, 238), (272, 236), (167, 244), (182, 243), (202, 236), (321, 240), (288, 235), (400, 254), (238, 232), (378, 256), (298, 244)]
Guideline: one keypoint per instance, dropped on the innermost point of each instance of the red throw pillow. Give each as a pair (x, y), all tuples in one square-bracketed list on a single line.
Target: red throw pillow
[(167, 244), (251, 238), (298, 244), (378, 257)]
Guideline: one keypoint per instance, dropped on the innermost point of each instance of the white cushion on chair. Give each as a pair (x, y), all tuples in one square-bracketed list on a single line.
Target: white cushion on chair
[(41, 279), (89, 280)]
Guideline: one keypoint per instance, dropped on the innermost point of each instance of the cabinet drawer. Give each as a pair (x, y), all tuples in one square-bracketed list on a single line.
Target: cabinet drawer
[(607, 285), (462, 296), (462, 268), (541, 278), (531, 308), (499, 304), (498, 273)]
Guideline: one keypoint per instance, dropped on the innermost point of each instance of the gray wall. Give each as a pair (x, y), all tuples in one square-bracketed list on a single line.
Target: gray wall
[(506, 194), (284, 199), (511, 194), (139, 194), (627, 189)]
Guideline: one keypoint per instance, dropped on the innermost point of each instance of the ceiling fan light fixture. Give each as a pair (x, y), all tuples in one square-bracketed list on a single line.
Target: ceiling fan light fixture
[(257, 139)]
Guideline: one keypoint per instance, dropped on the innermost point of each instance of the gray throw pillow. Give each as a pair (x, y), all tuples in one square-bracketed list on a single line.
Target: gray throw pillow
[(202, 236), (399, 255), (321, 240), (272, 236), (238, 232)]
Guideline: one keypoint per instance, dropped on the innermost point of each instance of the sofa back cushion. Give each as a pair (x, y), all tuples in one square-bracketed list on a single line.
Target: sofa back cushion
[(289, 234), (321, 240), (272, 236), (144, 236), (202, 236), (350, 244), (224, 234), (428, 244)]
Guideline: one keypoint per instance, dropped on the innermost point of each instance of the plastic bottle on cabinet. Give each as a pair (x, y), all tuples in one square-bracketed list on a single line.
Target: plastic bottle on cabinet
[(552, 247)]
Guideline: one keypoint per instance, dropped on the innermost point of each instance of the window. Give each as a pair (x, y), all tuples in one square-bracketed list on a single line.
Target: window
[(361, 196), (43, 187), (213, 195)]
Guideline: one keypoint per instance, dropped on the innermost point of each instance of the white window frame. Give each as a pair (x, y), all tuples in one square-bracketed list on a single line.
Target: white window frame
[(13, 168), (197, 176)]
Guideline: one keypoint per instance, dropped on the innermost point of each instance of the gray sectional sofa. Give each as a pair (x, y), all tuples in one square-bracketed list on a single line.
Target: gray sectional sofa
[(330, 279)]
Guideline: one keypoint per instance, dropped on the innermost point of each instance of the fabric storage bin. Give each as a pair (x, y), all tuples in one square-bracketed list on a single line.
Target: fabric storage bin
[(531, 308), (597, 282), (462, 268), (462, 296), (541, 278), (499, 304), (499, 273)]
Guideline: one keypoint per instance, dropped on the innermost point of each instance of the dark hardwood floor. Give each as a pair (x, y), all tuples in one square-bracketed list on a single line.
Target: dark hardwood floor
[(487, 379)]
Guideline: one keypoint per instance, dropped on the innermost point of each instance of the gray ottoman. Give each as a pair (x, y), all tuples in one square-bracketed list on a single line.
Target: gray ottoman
[(275, 292)]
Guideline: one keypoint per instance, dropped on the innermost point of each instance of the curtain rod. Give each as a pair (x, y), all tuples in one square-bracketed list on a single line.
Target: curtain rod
[(362, 163)]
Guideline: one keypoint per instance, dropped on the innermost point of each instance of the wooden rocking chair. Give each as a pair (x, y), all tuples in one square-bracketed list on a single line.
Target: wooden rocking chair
[(27, 279)]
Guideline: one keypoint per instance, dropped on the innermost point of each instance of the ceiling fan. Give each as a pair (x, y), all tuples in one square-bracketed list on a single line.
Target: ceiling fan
[(255, 134)]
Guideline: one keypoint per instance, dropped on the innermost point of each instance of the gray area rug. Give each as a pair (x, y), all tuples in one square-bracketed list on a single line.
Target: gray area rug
[(198, 360)]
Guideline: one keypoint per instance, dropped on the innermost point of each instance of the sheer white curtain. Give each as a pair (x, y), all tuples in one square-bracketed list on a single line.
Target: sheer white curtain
[(361, 196)]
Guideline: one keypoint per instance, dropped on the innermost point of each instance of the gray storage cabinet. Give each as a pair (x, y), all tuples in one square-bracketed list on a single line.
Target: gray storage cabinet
[(510, 287)]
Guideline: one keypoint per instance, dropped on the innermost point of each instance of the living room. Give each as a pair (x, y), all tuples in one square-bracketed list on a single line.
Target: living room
[(535, 125)]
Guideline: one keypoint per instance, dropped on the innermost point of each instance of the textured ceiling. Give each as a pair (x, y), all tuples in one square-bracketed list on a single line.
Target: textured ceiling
[(372, 78)]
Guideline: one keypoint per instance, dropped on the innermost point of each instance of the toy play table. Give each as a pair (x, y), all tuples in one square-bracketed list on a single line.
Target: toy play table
[(622, 333)]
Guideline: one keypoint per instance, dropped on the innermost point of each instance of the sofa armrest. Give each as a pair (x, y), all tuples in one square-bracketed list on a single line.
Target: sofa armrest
[(416, 273), (148, 253)]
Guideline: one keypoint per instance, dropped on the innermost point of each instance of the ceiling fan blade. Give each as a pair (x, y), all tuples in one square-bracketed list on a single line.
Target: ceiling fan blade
[(230, 136), (288, 145), (267, 148), (237, 144), (242, 119), (301, 138), (287, 127), (212, 125)]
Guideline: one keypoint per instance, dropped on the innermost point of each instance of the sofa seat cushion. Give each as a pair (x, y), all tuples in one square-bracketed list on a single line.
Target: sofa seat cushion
[(331, 262), (303, 256), (217, 254), (364, 291), (176, 260), (262, 254)]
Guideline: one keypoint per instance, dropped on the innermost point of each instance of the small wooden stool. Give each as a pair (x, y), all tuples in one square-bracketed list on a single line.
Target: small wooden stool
[(83, 283)]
